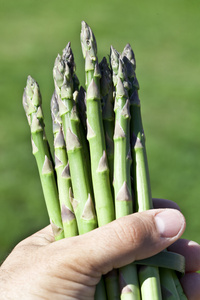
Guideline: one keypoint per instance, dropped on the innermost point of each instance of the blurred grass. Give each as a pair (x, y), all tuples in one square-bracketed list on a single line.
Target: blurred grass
[(165, 38)]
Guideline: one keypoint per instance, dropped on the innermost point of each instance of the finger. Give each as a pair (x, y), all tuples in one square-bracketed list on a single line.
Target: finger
[(191, 251), (120, 242), (164, 203), (191, 284)]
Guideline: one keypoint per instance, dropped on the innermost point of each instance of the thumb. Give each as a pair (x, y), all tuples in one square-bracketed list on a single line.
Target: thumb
[(124, 240)]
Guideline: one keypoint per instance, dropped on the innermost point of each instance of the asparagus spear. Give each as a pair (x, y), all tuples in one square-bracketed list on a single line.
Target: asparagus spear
[(62, 171), (179, 288), (122, 161), (106, 88), (168, 287), (80, 100), (33, 109), (149, 276), (82, 199), (68, 57), (99, 166), (141, 179), (81, 107), (95, 134)]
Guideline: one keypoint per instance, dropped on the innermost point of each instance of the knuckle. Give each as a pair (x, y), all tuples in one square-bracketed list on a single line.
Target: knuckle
[(134, 231)]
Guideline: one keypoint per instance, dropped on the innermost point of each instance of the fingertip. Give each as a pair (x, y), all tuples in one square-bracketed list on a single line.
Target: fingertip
[(164, 203), (191, 251), (191, 283), (170, 223)]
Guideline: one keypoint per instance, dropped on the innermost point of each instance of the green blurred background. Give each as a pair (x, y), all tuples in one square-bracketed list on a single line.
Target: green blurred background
[(165, 36)]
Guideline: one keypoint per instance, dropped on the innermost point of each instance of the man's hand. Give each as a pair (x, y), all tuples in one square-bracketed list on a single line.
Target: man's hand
[(39, 268)]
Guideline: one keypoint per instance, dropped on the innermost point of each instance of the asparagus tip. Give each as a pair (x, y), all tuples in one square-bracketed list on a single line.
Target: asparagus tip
[(88, 41), (114, 54), (128, 52), (31, 96)]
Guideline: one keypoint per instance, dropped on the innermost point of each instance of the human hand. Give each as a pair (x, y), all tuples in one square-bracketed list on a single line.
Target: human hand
[(39, 268)]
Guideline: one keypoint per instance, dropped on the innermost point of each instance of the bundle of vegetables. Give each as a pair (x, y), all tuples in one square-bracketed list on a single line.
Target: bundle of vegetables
[(99, 171)]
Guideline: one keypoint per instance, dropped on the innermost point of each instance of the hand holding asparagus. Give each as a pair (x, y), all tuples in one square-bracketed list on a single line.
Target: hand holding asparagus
[(101, 168)]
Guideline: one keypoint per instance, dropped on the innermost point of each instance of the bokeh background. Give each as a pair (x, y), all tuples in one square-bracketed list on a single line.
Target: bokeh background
[(165, 36)]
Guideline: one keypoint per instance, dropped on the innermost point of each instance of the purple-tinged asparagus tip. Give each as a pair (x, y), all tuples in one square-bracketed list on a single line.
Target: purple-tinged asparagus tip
[(88, 41)]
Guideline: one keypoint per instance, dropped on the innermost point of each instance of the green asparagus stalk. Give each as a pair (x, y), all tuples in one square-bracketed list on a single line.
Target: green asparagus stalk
[(141, 177), (168, 287), (130, 62), (33, 109), (149, 276), (179, 288), (122, 157), (81, 108), (100, 171), (136, 124), (80, 100), (150, 283), (63, 172), (106, 88), (122, 162), (82, 198), (95, 134)]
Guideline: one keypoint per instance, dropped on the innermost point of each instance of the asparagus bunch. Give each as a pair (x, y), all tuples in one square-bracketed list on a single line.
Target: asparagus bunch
[(100, 171)]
